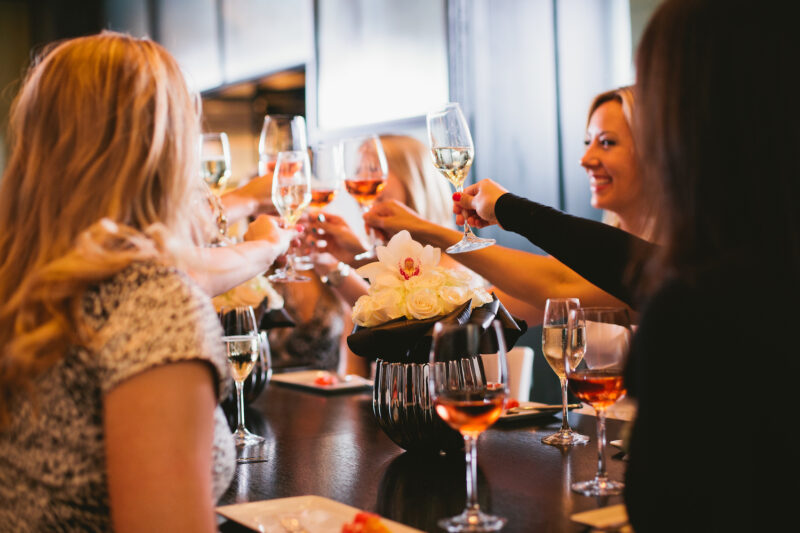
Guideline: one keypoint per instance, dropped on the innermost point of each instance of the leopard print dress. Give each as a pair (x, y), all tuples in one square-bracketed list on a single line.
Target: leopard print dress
[(52, 456)]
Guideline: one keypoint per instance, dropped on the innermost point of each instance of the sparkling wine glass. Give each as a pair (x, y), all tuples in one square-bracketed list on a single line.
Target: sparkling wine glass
[(453, 154), (604, 336), (241, 340), (364, 170), (291, 194), (556, 349), (215, 169), (469, 395), (326, 178)]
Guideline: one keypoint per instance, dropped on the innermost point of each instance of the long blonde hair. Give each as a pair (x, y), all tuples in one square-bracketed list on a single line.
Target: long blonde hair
[(427, 192), (103, 172)]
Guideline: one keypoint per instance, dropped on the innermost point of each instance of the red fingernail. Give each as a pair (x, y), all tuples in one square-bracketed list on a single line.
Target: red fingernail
[(456, 196)]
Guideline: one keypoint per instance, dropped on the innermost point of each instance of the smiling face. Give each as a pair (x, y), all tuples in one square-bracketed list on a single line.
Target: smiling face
[(610, 160)]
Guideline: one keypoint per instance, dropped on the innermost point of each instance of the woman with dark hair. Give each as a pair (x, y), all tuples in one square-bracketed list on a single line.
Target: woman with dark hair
[(716, 127)]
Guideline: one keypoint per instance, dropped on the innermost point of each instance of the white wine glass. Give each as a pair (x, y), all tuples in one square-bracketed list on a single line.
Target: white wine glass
[(468, 393), (453, 154), (215, 170), (241, 340), (291, 194), (364, 170), (556, 349), (597, 377)]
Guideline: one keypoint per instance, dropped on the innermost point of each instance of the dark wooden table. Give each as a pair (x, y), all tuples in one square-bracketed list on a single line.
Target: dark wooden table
[(331, 446)]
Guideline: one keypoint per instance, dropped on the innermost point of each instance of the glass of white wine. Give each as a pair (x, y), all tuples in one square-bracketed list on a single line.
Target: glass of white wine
[(291, 194), (556, 349), (241, 340), (215, 170), (453, 154), (365, 171)]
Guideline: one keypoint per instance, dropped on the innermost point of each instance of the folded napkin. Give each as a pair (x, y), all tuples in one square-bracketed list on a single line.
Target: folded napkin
[(613, 517)]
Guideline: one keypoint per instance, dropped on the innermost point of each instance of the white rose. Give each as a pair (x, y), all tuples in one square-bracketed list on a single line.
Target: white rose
[(389, 303), (423, 303), (480, 297), (453, 296), (363, 312), (429, 279)]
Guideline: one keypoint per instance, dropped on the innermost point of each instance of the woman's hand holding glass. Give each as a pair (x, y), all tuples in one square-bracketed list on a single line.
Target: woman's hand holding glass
[(468, 394), (291, 194), (241, 338), (476, 203), (603, 335)]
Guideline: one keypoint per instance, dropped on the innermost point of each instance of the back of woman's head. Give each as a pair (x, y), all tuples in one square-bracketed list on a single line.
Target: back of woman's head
[(717, 130), (427, 192), (102, 171)]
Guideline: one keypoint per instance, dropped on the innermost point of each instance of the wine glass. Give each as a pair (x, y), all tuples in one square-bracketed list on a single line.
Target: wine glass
[(556, 348), (364, 170), (453, 153), (468, 395), (241, 340), (291, 194), (282, 133), (326, 177), (215, 169), (604, 335)]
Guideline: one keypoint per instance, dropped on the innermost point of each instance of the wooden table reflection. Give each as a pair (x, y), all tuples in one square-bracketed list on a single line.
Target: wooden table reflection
[(331, 446)]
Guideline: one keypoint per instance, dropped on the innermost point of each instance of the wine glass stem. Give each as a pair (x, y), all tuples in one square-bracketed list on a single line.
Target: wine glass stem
[(601, 443), (371, 240), (471, 454), (467, 230), (564, 419), (240, 407)]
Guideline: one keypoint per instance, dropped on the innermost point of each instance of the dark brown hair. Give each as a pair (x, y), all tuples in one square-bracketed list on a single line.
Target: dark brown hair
[(718, 129)]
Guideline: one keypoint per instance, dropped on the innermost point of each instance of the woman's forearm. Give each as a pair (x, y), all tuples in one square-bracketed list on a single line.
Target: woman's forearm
[(220, 269)]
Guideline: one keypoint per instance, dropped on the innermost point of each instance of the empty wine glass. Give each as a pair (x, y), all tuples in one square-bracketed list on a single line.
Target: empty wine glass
[(291, 194), (556, 349), (603, 334), (364, 170), (241, 340), (453, 154), (468, 394)]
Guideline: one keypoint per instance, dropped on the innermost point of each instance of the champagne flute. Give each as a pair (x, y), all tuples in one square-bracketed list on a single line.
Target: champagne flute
[(556, 349), (364, 170), (215, 169), (291, 194), (453, 154), (468, 395), (597, 377), (326, 178), (241, 340)]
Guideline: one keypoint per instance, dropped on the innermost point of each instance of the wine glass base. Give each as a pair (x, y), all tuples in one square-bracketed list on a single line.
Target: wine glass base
[(469, 245), (598, 487), (369, 254), (565, 437), (473, 521), (245, 438), (287, 277), (303, 263)]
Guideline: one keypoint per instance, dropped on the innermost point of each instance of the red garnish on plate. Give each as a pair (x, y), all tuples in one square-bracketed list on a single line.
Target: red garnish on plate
[(324, 380), (511, 403), (365, 522)]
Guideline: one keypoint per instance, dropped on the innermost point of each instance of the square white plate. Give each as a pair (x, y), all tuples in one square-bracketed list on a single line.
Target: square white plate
[(314, 513), (306, 379)]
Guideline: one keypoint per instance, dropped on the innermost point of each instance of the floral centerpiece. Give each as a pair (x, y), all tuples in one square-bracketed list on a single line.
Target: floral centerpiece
[(409, 292)]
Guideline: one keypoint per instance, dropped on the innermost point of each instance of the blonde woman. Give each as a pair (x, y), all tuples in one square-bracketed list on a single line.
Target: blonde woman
[(615, 184), (111, 364)]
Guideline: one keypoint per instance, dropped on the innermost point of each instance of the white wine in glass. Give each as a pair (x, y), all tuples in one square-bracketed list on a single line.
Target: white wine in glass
[(291, 194), (215, 160), (453, 154), (556, 349)]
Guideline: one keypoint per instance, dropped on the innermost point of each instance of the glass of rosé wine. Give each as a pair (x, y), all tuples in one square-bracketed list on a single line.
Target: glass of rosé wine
[(326, 181), (604, 335), (468, 392), (364, 170)]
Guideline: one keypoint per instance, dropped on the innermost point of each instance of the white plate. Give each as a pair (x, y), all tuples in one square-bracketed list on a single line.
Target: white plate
[(314, 513), (306, 379), (531, 414)]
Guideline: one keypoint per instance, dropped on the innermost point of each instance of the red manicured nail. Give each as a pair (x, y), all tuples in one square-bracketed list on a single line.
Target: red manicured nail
[(456, 196)]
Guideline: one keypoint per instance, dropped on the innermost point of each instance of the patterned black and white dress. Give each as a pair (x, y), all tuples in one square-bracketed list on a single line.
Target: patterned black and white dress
[(52, 456)]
